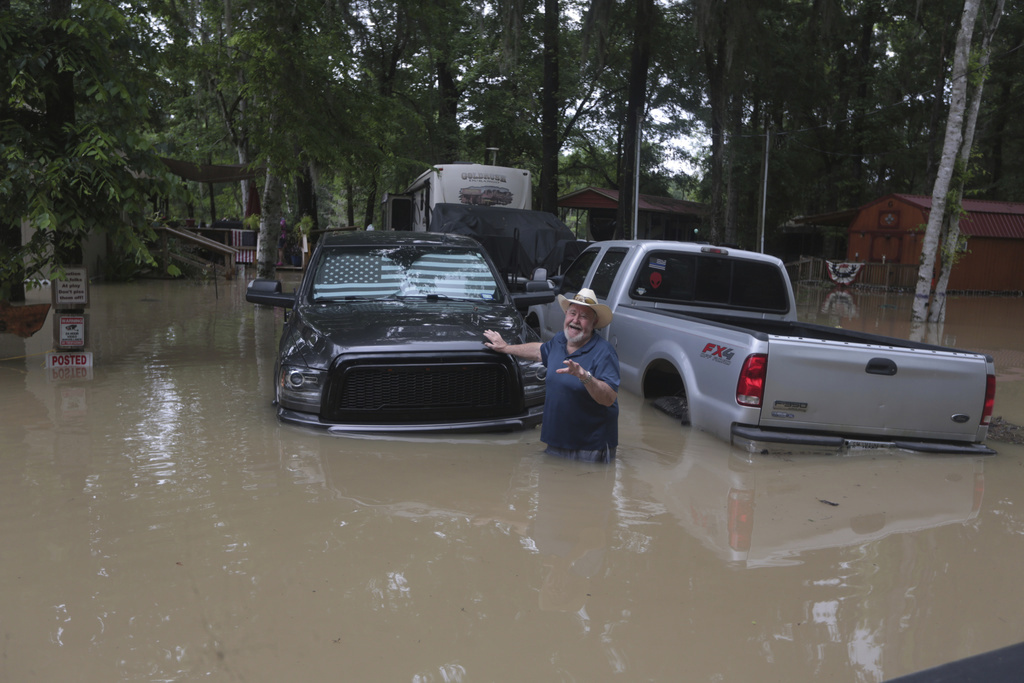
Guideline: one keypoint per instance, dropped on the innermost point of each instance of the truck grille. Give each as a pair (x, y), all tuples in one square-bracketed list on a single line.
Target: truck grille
[(408, 390)]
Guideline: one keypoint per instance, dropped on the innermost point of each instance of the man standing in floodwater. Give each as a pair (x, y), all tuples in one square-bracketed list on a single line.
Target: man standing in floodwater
[(581, 411)]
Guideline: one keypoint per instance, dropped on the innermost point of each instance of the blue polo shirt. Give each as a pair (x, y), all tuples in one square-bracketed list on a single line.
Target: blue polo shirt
[(572, 419)]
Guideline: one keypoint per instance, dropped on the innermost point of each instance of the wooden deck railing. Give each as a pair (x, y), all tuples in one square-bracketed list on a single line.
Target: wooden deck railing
[(166, 233)]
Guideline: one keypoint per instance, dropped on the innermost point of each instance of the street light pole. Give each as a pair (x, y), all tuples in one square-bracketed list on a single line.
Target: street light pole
[(636, 173), (764, 190)]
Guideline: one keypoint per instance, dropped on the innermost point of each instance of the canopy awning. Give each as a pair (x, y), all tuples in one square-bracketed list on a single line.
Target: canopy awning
[(212, 173)]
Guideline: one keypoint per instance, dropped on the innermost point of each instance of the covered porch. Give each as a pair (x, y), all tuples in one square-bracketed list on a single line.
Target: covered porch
[(591, 214)]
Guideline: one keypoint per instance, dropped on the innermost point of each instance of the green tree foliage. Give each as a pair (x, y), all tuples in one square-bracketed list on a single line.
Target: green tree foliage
[(76, 140), (1000, 135), (853, 94), (343, 100)]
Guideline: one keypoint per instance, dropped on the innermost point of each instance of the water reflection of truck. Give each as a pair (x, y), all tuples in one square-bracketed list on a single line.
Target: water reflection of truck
[(764, 512)]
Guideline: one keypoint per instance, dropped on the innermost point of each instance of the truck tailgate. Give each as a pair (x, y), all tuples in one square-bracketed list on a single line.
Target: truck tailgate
[(873, 390)]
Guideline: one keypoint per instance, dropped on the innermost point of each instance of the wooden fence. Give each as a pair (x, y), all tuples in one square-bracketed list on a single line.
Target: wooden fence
[(891, 276)]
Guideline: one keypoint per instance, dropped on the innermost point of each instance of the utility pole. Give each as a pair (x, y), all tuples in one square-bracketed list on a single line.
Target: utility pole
[(764, 188)]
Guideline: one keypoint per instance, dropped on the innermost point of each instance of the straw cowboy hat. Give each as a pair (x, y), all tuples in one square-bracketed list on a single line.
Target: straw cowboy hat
[(586, 297)]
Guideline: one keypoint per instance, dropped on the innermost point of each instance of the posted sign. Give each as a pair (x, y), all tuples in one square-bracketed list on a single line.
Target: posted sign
[(63, 365), (56, 359)]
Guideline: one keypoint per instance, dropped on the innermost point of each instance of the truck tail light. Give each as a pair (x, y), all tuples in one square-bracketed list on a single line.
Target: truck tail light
[(990, 400), (979, 491), (741, 518), (750, 388)]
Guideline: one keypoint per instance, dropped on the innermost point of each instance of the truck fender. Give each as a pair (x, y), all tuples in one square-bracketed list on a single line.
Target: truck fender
[(666, 360), (665, 371)]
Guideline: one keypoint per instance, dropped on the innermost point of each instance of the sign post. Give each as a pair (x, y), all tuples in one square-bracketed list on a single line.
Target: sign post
[(71, 293), (70, 360), (70, 330)]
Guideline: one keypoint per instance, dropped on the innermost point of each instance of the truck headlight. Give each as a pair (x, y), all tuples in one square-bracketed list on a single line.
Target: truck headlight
[(301, 388)]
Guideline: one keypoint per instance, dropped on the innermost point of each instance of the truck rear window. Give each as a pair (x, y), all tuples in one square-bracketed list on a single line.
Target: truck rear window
[(696, 279), (606, 271), (576, 274)]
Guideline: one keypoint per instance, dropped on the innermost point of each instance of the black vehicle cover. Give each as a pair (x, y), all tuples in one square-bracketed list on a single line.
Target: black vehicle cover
[(518, 240)]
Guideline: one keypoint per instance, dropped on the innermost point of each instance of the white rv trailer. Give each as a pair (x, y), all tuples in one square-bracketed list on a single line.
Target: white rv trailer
[(457, 183)]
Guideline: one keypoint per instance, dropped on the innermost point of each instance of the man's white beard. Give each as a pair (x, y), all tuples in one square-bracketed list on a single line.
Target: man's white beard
[(574, 336)]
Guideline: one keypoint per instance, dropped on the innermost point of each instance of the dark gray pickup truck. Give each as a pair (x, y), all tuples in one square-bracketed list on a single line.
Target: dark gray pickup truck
[(386, 334)]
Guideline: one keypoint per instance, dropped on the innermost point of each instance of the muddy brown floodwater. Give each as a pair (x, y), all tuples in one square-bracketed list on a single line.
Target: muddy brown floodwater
[(159, 524)]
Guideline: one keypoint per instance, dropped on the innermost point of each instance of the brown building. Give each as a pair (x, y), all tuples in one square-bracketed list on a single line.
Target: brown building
[(659, 218), (891, 230)]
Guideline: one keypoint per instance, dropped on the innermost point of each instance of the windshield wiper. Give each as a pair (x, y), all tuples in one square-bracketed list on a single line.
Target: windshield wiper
[(351, 298), (441, 297)]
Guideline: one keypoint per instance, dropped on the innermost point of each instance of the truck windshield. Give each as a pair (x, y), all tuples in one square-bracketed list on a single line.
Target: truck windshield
[(406, 271)]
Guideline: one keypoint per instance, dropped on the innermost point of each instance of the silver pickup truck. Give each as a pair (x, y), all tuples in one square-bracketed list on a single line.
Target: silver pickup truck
[(717, 327)]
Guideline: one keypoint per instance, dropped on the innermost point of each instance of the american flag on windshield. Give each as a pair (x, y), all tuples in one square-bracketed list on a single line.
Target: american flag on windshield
[(357, 275), (457, 275)]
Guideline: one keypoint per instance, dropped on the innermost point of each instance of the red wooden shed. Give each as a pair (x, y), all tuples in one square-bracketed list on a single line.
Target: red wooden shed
[(891, 230)]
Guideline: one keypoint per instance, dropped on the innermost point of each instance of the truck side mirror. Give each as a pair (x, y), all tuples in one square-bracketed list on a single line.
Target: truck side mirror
[(268, 293), (539, 281), (533, 297)]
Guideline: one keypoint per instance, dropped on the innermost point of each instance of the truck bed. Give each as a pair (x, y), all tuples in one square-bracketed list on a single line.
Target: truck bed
[(829, 381), (789, 328)]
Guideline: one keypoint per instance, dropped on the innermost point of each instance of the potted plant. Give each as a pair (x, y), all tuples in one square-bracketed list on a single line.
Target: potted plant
[(300, 234)]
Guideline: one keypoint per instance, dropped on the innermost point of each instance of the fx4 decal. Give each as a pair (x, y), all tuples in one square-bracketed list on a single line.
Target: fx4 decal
[(719, 354)]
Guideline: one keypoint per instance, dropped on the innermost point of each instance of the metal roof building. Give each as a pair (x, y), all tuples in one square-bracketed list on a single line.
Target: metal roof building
[(595, 208)]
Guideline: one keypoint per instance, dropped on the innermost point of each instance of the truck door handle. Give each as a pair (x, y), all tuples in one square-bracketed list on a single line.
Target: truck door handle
[(881, 366)]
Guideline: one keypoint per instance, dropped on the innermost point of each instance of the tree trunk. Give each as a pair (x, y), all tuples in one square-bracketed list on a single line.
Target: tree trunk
[(350, 203), (12, 288), (732, 189), (1001, 118), (715, 63), (60, 112), (447, 112), (371, 203), (951, 241), (950, 150), (270, 219), (236, 124), (864, 67), (549, 111), (639, 65)]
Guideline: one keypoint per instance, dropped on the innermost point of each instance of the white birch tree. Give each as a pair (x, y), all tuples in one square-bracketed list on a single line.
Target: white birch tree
[(266, 244), (950, 240), (950, 150), (947, 191)]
